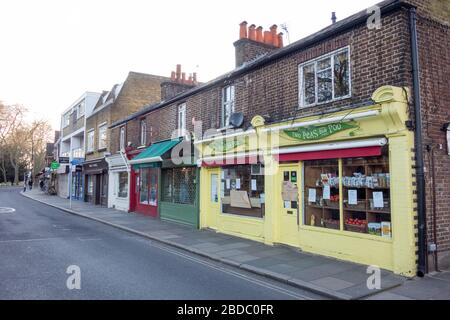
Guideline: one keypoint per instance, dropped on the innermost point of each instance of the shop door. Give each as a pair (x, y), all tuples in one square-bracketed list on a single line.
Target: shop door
[(289, 219), (212, 199), (147, 195), (104, 190)]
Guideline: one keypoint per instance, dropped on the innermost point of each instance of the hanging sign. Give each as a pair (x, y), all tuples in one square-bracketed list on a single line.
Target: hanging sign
[(313, 133)]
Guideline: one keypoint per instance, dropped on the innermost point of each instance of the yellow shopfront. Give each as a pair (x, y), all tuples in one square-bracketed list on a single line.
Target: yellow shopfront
[(339, 185)]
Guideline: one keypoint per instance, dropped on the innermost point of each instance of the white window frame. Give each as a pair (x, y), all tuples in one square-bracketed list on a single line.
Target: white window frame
[(81, 106), (100, 140), (66, 119), (314, 62), (143, 132), (122, 139), (181, 119), (90, 140), (227, 104)]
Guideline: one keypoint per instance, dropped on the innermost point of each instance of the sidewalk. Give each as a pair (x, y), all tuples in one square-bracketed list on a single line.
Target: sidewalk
[(325, 276)]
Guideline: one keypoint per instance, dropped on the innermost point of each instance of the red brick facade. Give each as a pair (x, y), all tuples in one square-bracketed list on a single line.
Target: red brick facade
[(378, 58)]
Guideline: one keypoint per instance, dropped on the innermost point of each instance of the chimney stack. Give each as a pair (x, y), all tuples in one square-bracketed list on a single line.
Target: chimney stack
[(177, 83), (254, 42)]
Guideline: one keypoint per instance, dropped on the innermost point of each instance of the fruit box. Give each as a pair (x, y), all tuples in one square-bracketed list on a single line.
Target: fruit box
[(356, 228)]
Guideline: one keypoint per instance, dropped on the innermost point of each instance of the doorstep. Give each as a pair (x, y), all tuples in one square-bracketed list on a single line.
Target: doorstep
[(326, 276)]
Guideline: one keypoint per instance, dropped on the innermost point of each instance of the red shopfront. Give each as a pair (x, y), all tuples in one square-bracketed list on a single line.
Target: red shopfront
[(144, 191)]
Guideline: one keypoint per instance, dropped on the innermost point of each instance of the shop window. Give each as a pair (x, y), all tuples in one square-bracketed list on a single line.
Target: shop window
[(148, 186), (243, 191), (123, 185), (366, 187), (321, 194), (325, 79), (365, 195), (179, 185)]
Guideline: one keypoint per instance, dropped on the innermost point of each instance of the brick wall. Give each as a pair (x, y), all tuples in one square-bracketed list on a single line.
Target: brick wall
[(138, 90), (434, 52), (378, 57)]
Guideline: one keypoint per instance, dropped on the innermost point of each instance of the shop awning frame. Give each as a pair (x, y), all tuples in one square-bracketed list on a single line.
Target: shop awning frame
[(154, 153)]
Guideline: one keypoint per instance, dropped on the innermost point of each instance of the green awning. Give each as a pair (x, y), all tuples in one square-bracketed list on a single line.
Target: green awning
[(152, 156)]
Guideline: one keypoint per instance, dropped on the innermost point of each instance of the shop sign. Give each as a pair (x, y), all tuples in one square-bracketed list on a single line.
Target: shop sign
[(64, 160), (226, 145), (313, 133), (54, 165)]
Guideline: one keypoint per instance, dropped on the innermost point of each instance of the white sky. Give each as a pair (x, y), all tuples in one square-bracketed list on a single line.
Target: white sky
[(52, 51)]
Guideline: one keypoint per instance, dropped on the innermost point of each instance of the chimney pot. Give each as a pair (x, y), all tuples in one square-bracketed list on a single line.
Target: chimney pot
[(259, 34), (267, 37), (178, 72), (173, 76), (252, 32), (243, 30), (280, 40), (183, 77), (273, 31), (194, 78)]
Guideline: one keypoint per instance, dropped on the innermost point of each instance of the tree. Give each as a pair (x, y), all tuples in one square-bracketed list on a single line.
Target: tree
[(21, 142)]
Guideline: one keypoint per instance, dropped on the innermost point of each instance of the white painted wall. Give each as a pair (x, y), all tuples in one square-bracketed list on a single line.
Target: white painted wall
[(122, 204)]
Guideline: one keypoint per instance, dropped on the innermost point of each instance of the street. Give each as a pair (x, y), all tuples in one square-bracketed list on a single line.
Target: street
[(38, 243)]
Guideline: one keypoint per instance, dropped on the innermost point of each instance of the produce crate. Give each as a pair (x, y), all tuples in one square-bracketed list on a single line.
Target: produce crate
[(354, 228), (334, 224)]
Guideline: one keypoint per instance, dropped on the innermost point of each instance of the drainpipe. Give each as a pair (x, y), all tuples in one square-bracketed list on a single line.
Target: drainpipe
[(420, 172)]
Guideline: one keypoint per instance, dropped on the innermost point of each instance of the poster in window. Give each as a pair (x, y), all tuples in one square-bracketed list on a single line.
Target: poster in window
[(254, 185), (289, 191), (240, 199), (238, 184), (326, 192), (378, 201), (352, 197), (312, 195)]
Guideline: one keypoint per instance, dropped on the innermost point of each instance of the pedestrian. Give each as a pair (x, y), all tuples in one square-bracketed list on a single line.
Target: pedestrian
[(24, 185), (41, 184), (30, 183)]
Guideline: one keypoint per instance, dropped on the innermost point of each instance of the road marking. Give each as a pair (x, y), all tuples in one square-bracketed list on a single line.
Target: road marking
[(7, 210), (234, 273), (29, 240)]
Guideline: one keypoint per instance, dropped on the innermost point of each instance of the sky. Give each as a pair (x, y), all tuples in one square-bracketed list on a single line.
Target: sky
[(52, 51)]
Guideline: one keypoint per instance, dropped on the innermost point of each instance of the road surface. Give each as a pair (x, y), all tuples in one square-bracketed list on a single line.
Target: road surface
[(39, 243)]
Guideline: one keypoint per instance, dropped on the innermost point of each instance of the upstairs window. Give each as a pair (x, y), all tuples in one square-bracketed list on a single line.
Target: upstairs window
[(143, 132), (80, 110), (181, 119), (227, 105), (102, 136), (66, 119), (90, 140), (122, 139), (325, 79)]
